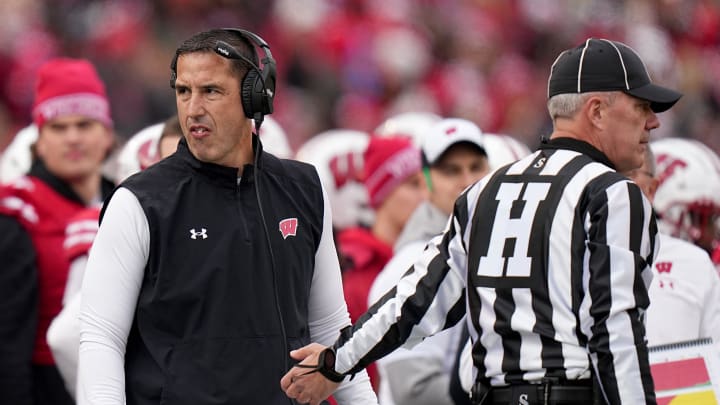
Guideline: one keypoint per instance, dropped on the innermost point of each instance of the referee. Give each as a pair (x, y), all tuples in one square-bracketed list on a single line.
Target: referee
[(555, 252)]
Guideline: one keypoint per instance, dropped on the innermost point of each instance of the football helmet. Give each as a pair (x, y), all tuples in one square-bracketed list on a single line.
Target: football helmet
[(687, 199), (410, 124), (503, 149), (17, 158), (338, 156), (139, 152), (274, 138)]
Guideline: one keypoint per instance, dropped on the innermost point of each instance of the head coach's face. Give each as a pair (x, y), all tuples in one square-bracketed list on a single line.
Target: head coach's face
[(602, 92), (207, 92)]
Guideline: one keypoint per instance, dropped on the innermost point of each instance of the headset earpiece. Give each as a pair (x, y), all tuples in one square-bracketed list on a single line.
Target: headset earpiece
[(257, 89), (269, 74), (251, 83)]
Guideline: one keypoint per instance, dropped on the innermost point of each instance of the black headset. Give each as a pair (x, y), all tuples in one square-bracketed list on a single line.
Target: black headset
[(257, 89)]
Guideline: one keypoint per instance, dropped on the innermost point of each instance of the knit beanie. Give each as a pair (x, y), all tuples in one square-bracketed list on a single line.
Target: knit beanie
[(388, 162), (69, 86)]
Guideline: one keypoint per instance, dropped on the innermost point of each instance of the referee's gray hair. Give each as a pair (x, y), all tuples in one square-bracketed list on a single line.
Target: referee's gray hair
[(566, 105)]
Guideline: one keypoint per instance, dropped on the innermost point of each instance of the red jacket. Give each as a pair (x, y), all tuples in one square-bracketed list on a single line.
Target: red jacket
[(44, 213), (80, 233), (367, 256)]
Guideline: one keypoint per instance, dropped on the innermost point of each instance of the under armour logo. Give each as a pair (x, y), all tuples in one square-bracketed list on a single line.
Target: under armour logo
[(523, 399), (288, 227), (202, 234)]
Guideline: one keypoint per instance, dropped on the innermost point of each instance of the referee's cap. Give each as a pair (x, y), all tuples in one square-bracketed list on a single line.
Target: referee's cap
[(604, 65), (439, 137)]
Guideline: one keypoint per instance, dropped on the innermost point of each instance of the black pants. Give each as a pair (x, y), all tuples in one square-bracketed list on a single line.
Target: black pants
[(49, 387)]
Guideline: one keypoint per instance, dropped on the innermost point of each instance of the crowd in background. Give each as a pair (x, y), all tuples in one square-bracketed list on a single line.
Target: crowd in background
[(349, 65), (353, 63)]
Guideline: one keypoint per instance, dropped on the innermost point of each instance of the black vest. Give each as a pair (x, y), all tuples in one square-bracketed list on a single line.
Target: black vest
[(206, 327)]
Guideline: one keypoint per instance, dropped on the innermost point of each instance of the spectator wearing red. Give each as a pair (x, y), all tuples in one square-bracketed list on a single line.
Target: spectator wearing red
[(72, 114), (395, 186)]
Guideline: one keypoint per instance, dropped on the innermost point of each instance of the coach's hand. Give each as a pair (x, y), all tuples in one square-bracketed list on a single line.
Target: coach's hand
[(312, 387)]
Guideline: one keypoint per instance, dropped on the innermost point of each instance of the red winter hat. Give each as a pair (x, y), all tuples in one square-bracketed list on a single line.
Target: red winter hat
[(69, 86), (388, 162)]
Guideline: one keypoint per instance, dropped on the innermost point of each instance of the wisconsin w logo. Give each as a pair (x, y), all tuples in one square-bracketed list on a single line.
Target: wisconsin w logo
[(288, 227), (663, 267)]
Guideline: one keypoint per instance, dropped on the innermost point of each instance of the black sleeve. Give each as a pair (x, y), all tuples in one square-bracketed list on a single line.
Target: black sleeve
[(18, 312)]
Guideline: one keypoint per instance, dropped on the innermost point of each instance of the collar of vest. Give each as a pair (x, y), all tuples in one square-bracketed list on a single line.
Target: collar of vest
[(223, 174)]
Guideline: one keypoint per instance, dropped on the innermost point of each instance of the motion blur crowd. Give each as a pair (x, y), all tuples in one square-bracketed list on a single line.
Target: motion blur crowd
[(353, 63)]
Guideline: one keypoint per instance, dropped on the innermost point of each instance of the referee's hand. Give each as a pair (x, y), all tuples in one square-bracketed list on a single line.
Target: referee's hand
[(307, 388)]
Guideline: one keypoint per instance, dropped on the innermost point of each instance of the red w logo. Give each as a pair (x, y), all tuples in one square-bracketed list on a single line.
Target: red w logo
[(347, 167), (145, 157), (288, 227), (663, 267), (667, 166)]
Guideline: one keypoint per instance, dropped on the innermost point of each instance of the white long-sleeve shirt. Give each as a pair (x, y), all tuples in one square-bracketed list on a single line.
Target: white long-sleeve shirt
[(112, 284), (684, 294)]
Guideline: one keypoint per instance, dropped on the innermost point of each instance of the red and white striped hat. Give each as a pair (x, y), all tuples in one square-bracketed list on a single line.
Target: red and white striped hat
[(70, 86), (388, 162)]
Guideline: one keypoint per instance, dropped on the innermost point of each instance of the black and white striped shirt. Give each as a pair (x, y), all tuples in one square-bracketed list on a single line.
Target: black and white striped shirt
[(555, 252)]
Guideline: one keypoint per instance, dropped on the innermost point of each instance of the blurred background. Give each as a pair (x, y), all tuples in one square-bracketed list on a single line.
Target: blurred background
[(353, 63)]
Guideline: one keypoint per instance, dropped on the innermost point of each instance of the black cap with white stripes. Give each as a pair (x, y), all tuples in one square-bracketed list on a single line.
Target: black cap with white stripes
[(604, 65)]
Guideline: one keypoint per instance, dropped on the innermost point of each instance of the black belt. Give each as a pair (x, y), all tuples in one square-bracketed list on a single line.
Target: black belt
[(543, 393)]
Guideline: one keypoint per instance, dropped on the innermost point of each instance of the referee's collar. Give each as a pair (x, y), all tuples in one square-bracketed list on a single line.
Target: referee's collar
[(577, 146)]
